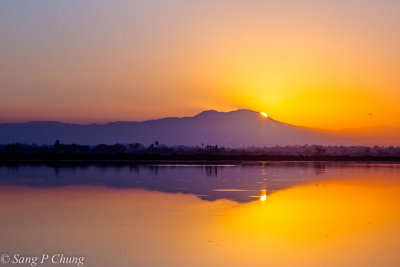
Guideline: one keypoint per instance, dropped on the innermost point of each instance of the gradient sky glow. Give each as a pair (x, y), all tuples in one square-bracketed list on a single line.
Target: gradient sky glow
[(326, 64)]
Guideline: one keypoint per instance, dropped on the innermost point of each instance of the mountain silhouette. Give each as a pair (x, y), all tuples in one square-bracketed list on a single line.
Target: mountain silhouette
[(232, 129)]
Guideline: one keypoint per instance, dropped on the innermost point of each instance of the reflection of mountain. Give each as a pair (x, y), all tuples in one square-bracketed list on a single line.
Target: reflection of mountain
[(209, 182), (232, 129)]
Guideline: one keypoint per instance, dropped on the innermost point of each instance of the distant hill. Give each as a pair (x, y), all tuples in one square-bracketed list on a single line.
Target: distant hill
[(232, 129)]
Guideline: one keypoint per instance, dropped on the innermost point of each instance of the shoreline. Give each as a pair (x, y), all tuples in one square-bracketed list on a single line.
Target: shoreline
[(205, 162)]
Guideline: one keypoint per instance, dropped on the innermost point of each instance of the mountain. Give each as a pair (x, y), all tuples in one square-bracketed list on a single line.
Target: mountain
[(232, 129)]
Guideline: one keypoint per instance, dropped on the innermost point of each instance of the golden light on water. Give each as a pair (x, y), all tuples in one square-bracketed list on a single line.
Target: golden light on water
[(264, 114), (332, 223), (263, 195)]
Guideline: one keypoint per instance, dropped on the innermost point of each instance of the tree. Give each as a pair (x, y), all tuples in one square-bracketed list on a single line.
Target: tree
[(57, 143)]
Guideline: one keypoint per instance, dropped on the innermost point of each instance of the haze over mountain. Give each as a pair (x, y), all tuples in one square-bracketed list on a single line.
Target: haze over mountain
[(232, 129)]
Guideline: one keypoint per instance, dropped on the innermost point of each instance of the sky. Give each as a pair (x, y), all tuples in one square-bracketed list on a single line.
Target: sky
[(330, 64)]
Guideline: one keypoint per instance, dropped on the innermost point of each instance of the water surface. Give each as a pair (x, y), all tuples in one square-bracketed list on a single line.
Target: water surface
[(315, 214)]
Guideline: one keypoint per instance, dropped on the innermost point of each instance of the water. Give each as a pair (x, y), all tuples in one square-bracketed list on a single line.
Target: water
[(314, 214)]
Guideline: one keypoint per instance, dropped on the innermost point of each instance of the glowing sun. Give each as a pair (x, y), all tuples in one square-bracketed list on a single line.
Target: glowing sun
[(264, 114)]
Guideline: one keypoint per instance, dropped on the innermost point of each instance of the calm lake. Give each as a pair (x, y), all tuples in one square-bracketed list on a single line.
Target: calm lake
[(236, 214)]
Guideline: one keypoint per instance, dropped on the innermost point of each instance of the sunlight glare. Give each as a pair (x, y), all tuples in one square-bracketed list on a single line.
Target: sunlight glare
[(263, 197)]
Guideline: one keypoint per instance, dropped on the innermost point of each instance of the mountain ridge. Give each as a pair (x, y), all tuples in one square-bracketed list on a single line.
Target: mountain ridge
[(238, 128)]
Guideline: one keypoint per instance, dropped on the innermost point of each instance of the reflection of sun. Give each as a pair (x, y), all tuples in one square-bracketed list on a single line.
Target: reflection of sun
[(264, 114), (263, 197)]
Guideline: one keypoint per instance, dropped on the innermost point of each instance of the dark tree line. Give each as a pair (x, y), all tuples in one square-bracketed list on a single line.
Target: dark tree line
[(155, 151)]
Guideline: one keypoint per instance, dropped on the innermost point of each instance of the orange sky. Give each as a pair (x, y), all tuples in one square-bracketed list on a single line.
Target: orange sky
[(326, 64)]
